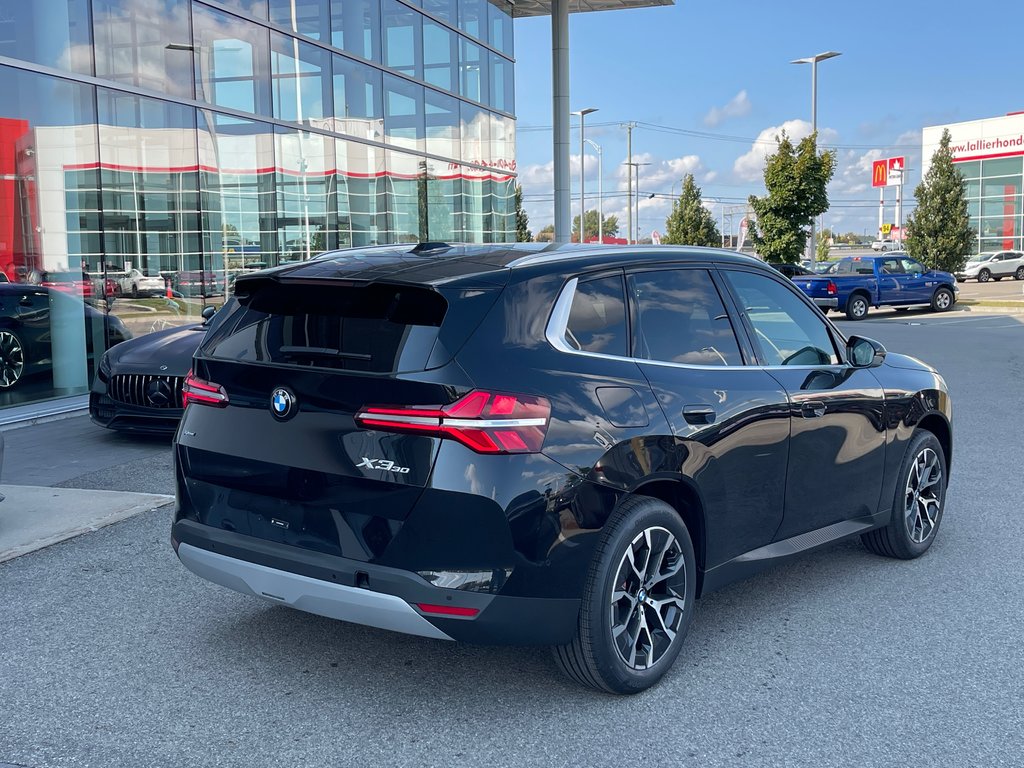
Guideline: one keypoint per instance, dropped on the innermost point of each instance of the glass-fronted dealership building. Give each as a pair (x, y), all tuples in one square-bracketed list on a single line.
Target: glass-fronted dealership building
[(195, 140), (989, 154)]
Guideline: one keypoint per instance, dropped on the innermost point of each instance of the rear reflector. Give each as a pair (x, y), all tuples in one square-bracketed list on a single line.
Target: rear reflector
[(202, 392), (483, 421), (447, 610)]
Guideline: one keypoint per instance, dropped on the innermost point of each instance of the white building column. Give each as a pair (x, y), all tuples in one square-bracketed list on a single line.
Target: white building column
[(560, 112)]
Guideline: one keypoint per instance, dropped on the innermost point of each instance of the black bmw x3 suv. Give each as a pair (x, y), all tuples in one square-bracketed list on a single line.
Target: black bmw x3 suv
[(555, 445)]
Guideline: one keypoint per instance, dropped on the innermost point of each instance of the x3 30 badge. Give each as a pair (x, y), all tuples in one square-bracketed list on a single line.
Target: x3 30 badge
[(382, 464)]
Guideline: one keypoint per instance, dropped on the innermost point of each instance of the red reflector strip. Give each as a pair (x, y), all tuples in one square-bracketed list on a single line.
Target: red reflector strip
[(447, 610)]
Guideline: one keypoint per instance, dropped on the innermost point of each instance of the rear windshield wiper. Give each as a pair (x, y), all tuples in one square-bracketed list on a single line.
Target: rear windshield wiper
[(294, 351)]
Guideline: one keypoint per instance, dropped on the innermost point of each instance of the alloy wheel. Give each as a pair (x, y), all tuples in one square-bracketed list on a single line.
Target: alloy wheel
[(647, 599), (984, 276), (923, 496), (943, 300), (1019, 274), (12, 359)]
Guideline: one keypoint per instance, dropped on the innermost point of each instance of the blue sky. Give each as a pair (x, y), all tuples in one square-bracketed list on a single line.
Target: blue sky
[(723, 68)]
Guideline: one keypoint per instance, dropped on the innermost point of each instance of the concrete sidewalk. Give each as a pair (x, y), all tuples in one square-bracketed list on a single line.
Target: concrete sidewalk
[(33, 517)]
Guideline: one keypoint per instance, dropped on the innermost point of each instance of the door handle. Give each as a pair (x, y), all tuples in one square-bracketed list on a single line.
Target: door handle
[(812, 409), (698, 414)]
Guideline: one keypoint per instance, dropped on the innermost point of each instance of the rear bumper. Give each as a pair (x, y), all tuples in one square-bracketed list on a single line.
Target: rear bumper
[(830, 303), (365, 593)]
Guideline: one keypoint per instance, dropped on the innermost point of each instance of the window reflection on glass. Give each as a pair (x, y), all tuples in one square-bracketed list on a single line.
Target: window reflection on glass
[(54, 33), (407, 197), (503, 142), (502, 90), (355, 27), (306, 208), (473, 18), (442, 129), (440, 56), (476, 134), (443, 198), (403, 113), (304, 17), (150, 195), (362, 194), (473, 71), (503, 205), (403, 38), (499, 16), (257, 8), (232, 61), (144, 43), (236, 182), (358, 99), (302, 92), (444, 9)]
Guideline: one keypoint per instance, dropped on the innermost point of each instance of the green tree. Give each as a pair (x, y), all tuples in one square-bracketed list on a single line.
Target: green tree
[(690, 223), (796, 180), (611, 226), (523, 233), (546, 235), (824, 245), (939, 233)]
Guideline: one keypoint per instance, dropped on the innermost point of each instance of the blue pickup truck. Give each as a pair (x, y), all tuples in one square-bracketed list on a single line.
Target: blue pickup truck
[(856, 283)]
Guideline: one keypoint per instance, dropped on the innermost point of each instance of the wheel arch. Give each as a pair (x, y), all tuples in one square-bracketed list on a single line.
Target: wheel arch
[(685, 500), (938, 426)]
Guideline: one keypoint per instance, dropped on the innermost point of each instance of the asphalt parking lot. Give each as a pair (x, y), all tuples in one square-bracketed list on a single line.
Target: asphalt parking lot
[(112, 654)]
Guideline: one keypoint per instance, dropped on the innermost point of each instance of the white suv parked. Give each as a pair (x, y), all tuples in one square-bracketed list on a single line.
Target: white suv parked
[(993, 265)]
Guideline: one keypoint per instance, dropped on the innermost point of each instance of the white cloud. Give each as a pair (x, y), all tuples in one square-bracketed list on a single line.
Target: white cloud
[(738, 106), (750, 166)]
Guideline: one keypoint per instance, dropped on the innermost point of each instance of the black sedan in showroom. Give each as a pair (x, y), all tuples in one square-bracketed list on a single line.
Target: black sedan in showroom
[(138, 385), (28, 314), (558, 445)]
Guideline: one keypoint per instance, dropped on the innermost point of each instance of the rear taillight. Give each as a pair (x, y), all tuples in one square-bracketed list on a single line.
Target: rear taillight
[(202, 392), (487, 422), (831, 288)]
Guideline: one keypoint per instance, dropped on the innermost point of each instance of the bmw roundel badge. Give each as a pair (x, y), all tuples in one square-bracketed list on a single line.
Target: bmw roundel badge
[(282, 403)]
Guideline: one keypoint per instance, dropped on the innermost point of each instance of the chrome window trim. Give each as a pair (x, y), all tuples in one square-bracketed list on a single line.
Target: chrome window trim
[(559, 320)]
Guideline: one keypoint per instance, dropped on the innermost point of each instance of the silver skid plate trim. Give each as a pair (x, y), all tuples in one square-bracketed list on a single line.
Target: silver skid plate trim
[(335, 601)]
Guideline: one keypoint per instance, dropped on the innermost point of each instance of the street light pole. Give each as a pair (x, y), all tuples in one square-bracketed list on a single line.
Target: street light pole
[(813, 61), (600, 190), (583, 206)]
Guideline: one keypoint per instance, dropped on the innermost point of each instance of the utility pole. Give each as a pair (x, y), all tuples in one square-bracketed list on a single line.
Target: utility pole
[(629, 181)]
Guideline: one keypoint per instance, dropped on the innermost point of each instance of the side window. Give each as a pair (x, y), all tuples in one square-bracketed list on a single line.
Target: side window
[(912, 267), (597, 319), (680, 318), (892, 267), (787, 331)]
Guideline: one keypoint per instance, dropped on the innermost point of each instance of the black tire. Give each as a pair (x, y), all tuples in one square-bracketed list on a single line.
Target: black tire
[(12, 358), (997, 278), (943, 300), (1019, 274), (984, 276), (857, 307), (961, 279), (910, 534), (597, 656)]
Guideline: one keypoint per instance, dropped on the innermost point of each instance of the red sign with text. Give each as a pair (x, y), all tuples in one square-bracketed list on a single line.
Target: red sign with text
[(880, 173)]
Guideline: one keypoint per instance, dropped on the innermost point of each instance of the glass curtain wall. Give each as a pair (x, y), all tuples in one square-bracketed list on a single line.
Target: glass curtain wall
[(994, 193), (327, 124)]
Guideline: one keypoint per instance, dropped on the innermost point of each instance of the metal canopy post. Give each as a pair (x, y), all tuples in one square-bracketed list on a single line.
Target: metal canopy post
[(560, 112)]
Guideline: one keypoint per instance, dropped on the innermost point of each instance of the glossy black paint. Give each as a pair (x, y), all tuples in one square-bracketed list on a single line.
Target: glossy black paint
[(25, 310), (752, 457), (160, 359)]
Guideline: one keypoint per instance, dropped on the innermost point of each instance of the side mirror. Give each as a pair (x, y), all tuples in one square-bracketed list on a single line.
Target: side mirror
[(208, 312), (864, 353)]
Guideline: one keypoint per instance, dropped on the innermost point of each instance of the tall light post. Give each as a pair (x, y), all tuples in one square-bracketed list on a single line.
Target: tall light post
[(600, 190), (583, 207), (813, 61)]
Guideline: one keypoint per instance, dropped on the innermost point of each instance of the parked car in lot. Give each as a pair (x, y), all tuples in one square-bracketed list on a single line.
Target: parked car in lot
[(822, 267), (197, 283), (137, 282), (790, 270), (500, 444), (993, 265), (137, 387), (856, 283), (885, 244), (26, 330)]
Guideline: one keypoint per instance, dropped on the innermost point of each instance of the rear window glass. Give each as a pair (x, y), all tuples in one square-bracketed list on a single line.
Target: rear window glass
[(373, 329), (597, 320)]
